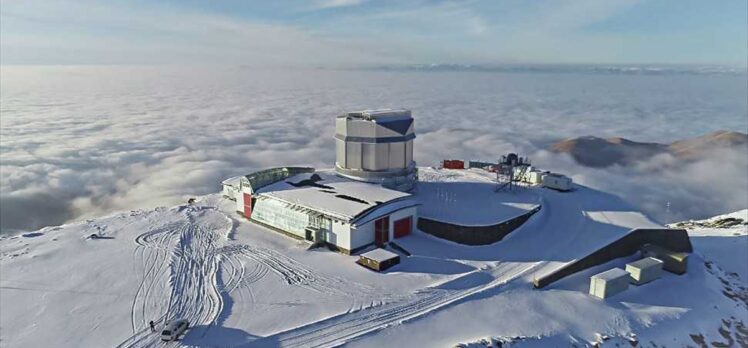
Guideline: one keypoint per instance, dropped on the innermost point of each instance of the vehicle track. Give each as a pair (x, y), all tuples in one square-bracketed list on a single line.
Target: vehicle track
[(343, 328), (297, 274), (180, 265)]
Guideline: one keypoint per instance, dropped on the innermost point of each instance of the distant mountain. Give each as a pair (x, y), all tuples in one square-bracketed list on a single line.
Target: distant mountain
[(567, 68), (599, 152)]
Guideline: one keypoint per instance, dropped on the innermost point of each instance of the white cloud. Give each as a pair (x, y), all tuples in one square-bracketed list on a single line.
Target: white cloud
[(83, 141)]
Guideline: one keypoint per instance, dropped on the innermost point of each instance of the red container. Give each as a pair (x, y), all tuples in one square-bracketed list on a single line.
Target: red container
[(453, 164)]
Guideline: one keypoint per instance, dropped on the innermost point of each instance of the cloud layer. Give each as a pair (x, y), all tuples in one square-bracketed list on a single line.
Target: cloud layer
[(79, 142)]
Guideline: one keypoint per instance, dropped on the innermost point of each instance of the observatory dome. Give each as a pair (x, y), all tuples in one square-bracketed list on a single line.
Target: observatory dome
[(376, 146)]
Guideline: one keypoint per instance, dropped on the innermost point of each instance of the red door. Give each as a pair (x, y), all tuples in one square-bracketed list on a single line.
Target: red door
[(247, 205), (382, 230), (403, 227)]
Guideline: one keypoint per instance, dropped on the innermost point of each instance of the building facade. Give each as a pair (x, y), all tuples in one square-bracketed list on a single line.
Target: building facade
[(322, 207)]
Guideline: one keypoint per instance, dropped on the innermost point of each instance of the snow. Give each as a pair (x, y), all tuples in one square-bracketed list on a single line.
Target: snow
[(379, 255), (327, 199), (240, 284), (467, 197)]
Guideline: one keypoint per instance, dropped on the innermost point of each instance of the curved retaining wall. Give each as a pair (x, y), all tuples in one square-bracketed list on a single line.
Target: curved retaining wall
[(672, 239), (473, 235)]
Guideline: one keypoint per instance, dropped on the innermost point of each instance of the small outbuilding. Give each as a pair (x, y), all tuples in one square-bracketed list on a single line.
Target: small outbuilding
[(673, 261), (533, 176), (644, 270), (609, 283), (379, 259)]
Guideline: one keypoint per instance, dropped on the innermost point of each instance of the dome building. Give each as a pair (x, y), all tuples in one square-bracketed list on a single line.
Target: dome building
[(376, 146)]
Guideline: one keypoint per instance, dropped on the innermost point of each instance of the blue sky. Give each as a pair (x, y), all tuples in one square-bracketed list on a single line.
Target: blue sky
[(360, 32)]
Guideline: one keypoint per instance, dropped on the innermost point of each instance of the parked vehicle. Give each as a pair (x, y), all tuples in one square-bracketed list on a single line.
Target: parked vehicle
[(173, 329)]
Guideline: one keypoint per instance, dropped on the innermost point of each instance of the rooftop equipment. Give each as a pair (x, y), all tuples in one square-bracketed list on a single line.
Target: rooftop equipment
[(376, 146), (609, 283), (511, 169), (644, 270)]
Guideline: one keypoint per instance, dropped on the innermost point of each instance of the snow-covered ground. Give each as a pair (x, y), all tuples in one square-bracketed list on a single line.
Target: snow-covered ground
[(467, 197), (242, 285)]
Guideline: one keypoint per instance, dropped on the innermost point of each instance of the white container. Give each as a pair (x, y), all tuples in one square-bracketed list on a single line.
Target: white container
[(557, 182), (644, 270), (609, 283)]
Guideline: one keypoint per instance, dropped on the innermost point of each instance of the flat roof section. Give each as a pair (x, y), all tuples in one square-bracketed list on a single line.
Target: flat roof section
[(379, 114), (611, 274), (379, 255), (467, 197), (645, 263), (333, 195)]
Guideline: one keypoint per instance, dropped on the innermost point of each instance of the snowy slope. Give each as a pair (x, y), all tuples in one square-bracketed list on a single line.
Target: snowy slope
[(242, 285), (722, 239)]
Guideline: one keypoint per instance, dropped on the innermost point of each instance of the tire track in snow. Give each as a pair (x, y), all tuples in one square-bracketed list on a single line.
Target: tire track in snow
[(188, 253), (343, 328), (295, 273)]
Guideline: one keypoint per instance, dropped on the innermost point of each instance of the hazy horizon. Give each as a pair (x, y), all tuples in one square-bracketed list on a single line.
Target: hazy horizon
[(79, 142)]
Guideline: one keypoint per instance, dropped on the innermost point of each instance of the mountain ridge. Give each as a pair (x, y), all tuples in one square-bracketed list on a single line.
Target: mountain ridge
[(592, 151)]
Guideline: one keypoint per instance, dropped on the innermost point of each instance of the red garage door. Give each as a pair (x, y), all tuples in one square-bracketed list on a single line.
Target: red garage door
[(403, 227), (247, 205)]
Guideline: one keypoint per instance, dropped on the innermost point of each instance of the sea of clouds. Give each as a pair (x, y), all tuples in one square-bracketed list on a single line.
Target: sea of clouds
[(79, 142)]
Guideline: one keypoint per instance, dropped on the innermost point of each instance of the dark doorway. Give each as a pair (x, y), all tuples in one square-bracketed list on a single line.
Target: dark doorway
[(382, 231)]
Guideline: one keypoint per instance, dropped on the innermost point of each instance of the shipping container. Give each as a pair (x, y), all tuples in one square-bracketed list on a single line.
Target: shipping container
[(609, 283), (453, 164), (644, 270), (674, 262)]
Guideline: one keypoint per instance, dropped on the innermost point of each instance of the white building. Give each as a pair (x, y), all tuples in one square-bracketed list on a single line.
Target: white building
[(557, 181), (533, 176), (609, 283), (346, 214), (230, 187), (376, 146)]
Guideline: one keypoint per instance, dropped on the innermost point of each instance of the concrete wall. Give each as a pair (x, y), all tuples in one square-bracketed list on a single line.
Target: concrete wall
[(473, 235), (672, 239)]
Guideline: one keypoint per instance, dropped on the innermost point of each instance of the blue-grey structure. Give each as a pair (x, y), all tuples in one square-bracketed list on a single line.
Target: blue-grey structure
[(376, 146)]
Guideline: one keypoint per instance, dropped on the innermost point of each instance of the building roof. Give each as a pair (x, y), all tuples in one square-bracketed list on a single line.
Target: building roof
[(337, 197), (379, 114), (611, 274), (646, 262), (233, 181), (379, 255), (258, 180)]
